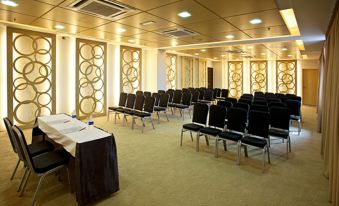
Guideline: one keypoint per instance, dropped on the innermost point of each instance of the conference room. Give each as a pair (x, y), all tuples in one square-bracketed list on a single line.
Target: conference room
[(169, 102)]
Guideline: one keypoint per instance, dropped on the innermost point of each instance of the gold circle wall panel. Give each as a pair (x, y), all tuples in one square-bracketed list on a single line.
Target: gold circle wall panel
[(235, 78), (90, 78), (171, 70), (286, 76), (31, 75), (130, 75), (187, 72), (258, 76), (202, 70)]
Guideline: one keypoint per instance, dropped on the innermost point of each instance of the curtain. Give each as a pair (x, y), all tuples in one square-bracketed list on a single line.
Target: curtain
[(330, 110)]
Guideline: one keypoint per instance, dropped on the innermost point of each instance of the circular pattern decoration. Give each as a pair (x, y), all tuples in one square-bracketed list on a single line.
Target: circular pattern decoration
[(286, 77), (258, 76), (171, 71), (130, 69), (235, 79)]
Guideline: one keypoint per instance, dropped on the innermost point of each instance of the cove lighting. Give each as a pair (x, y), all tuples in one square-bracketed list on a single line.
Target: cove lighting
[(9, 3), (290, 21), (147, 23), (300, 44), (230, 36), (255, 21), (59, 26), (184, 14)]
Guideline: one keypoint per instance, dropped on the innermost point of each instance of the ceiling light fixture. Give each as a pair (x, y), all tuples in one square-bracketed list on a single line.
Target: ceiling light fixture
[(250, 47), (263, 54), (290, 21), (255, 21), (196, 54), (174, 43), (223, 55), (121, 30), (290, 55), (230, 36), (131, 40), (284, 49), (59, 26), (147, 23), (215, 58), (184, 14), (202, 50), (9, 3)]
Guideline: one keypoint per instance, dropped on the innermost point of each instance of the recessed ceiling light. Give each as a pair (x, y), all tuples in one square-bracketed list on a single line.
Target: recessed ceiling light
[(174, 43), (196, 54), (202, 50), (9, 3), (121, 30), (255, 21), (290, 55), (230, 36), (250, 47), (215, 58), (147, 23), (223, 55), (59, 26), (131, 40), (284, 49), (184, 14), (263, 54)]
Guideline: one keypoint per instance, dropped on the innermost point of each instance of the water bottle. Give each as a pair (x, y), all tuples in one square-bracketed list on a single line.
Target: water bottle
[(90, 121), (74, 115)]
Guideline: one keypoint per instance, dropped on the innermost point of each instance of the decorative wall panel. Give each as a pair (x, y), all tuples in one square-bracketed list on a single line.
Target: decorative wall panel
[(90, 78), (130, 75), (202, 70), (171, 71), (287, 76), (258, 76), (235, 78), (31, 75), (187, 72)]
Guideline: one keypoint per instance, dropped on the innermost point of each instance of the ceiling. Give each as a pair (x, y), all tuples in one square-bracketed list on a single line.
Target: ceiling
[(213, 20)]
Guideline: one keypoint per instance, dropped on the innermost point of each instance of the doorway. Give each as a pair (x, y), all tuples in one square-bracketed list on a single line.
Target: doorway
[(210, 78), (310, 86)]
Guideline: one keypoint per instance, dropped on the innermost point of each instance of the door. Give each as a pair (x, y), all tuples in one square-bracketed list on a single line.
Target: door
[(310, 86), (210, 78)]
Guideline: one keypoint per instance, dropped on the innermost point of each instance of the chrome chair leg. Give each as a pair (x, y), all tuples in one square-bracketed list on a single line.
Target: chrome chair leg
[(207, 142), (24, 184), (23, 179), (38, 187), (245, 149), (268, 155), (198, 135), (287, 149), (263, 157), (15, 169), (239, 153), (152, 122), (289, 143), (108, 115), (166, 116), (158, 117), (191, 136), (225, 145), (182, 131), (216, 147)]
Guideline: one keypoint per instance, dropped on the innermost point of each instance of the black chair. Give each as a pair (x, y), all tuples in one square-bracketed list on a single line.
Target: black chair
[(185, 104), (259, 94), (199, 119), (195, 96), (269, 100), (256, 98), (258, 127), (294, 109), (225, 104), (176, 100), (216, 123), (170, 95), (242, 105), (42, 164), (246, 101), (277, 104), (279, 126), (129, 106), (247, 96), (121, 105), (231, 99), (201, 94), (208, 97), (216, 93), (224, 94), (139, 93), (161, 91), (236, 125), (259, 107), (260, 102), (146, 113), (163, 103), (147, 94), (138, 106), (157, 98), (34, 149)]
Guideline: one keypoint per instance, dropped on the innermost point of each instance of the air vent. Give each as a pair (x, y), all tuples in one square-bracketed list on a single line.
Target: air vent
[(178, 32), (102, 8)]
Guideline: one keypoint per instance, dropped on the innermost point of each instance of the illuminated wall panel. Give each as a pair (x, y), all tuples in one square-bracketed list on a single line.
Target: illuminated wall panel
[(171, 71), (286, 76), (202, 76), (90, 78), (187, 72), (235, 78), (31, 75), (258, 79), (130, 75)]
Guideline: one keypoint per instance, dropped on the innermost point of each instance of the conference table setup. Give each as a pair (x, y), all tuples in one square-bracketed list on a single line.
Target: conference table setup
[(93, 166)]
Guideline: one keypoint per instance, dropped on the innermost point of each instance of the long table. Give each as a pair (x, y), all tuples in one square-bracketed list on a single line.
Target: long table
[(93, 164)]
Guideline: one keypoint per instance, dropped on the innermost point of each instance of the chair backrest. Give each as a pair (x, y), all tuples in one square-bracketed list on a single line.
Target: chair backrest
[(277, 104), (242, 105), (163, 102), (273, 100), (23, 147), (157, 97), (177, 97), (201, 94), (247, 101), (195, 96), (149, 104), (139, 102), (217, 116), (186, 98), (279, 118), (237, 118), (225, 103), (147, 94), (231, 99), (185, 90), (259, 94), (224, 93), (200, 112), (258, 123), (130, 101), (208, 95), (260, 102), (293, 107), (139, 92), (170, 95), (216, 92), (10, 134), (161, 91), (259, 107), (122, 99)]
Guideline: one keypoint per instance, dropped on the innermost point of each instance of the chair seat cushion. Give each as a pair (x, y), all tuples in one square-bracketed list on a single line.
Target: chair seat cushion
[(119, 109), (294, 117), (230, 136), (210, 131), (192, 126), (142, 114), (254, 141), (279, 133), (114, 108), (159, 109), (205, 101), (181, 106), (50, 160), (130, 112), (172, 104), (40, 147)]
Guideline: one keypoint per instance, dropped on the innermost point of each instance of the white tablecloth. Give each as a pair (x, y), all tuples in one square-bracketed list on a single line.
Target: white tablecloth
[(68, 132)]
